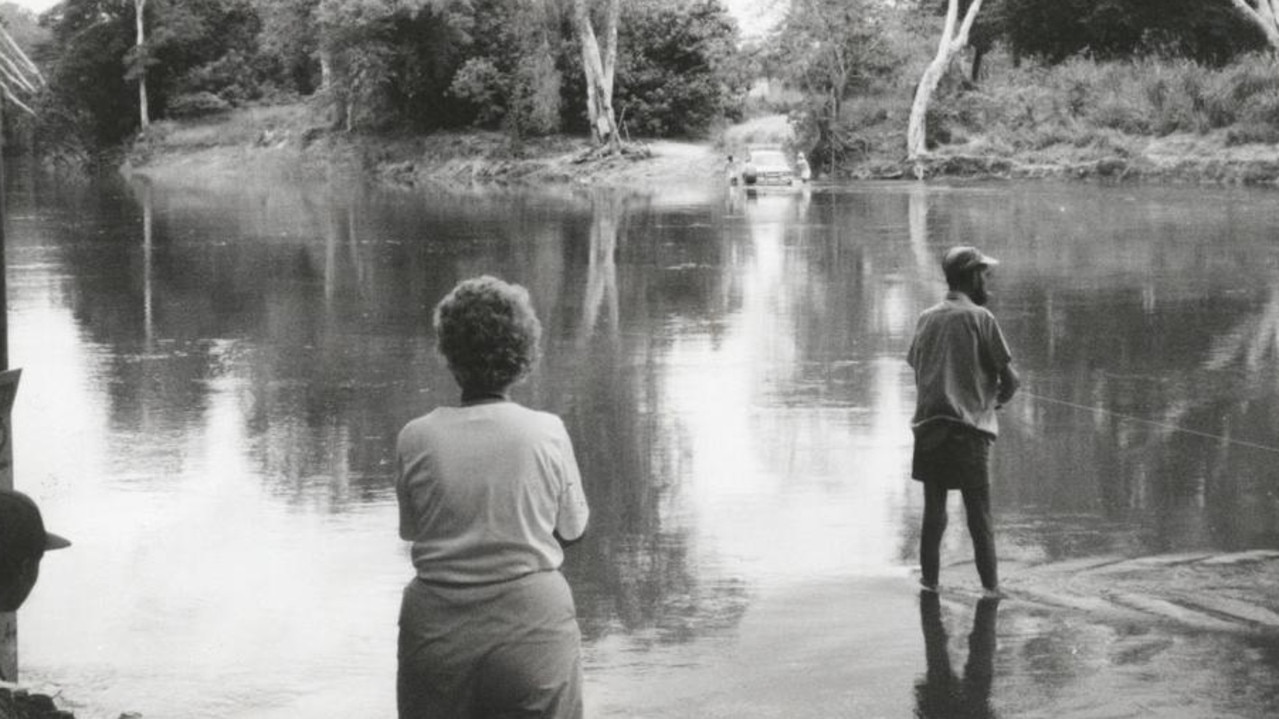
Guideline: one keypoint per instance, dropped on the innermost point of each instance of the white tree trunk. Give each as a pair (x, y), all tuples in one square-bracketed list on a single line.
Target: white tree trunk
[(338, 93), (1265, 14), (599, 71), (952, 42), (609, 58), (144, 115)]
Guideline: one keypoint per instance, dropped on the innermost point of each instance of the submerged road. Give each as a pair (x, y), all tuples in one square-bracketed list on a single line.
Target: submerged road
[(1167, 636)]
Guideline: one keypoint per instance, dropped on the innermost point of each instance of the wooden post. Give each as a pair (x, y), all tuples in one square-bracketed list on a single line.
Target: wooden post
[(8, 621)]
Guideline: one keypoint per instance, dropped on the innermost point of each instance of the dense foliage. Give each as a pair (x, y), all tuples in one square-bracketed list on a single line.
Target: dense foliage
[(1209, 31), (382, 64), (829, 49), (515, 65), (678, 70)]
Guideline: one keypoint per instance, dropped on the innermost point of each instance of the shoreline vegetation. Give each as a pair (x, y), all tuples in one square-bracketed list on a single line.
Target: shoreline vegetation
[(493, 93), (253, 137), (1167, 121)]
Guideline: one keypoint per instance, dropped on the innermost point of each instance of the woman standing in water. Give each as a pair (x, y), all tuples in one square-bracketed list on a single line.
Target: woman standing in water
[(489, 493)]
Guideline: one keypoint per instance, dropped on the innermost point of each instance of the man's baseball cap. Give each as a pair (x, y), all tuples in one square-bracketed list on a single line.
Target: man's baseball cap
[(964, 258), (22, 528)]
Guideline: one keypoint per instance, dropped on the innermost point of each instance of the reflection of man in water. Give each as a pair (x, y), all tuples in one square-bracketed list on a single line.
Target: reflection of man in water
[(963, 373), (940, 693)]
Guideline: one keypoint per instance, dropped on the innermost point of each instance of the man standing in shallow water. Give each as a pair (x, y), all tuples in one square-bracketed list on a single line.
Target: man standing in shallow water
[(963, 373)]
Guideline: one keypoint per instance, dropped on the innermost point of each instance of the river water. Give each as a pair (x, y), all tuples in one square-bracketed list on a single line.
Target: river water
[(214, 372)]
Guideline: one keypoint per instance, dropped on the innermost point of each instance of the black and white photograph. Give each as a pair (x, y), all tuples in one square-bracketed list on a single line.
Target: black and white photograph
[(639, 359)]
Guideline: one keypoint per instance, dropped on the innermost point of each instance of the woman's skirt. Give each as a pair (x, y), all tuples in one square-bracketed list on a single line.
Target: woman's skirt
[(511, 649)]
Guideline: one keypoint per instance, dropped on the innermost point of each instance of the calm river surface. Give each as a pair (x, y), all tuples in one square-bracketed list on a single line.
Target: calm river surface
[(214, 374)]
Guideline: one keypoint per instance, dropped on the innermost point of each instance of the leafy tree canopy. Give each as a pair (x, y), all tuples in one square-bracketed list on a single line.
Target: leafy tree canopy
[(677, 66), (1209, 31)]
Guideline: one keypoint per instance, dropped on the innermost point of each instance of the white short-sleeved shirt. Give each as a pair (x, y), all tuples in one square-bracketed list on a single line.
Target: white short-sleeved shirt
[(483, 488), (958, 354)]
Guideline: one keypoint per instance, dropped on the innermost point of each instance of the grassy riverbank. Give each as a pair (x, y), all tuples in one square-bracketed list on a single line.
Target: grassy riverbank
[(289, 135), (1159, 120), (1165, 121)]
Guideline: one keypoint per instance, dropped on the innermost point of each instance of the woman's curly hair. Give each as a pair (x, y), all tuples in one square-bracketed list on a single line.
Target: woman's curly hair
[(488, 333)]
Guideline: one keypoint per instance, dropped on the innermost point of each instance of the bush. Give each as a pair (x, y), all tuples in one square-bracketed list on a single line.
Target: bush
[(480, 83), (1251, 133), (1261, 109), (1073, 102)]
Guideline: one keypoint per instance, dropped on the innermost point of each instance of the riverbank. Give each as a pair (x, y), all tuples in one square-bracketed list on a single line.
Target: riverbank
[(287, 136)]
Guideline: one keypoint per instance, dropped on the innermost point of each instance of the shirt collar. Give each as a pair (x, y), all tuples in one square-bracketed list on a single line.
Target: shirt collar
[(483, 397)]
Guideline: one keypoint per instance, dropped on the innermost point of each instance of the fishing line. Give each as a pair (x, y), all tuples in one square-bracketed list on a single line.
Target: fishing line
[(1150, 422)]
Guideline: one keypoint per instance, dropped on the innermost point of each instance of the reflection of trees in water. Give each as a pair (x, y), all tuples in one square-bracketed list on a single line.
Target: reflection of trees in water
[(608, 218), (633, 269), (1114, 451), (309, 307)]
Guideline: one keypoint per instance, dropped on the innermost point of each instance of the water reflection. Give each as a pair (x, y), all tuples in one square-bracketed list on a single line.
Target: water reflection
[(942, 693)]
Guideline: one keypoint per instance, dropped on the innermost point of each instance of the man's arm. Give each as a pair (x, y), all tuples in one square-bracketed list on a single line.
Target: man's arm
[(1009, 381)]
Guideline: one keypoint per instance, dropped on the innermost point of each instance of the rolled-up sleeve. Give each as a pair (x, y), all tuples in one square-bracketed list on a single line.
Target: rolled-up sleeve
[(573, 513)]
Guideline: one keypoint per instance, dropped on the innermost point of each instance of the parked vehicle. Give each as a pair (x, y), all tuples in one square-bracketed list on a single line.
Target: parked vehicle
[(767, 165)]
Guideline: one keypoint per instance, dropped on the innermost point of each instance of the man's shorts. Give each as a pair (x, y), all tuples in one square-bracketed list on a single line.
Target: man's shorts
[(952, 455)]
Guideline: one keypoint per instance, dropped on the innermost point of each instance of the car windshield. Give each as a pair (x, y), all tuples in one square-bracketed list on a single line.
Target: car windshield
[(768, 158)]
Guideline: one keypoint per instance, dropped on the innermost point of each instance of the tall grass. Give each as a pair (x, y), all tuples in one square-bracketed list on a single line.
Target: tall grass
[(1082, 102), (236, 129)]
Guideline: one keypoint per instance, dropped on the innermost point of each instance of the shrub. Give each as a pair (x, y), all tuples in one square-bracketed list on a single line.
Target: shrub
[(1250, 133), (1261, 109), (1120, 114), (481, 84)]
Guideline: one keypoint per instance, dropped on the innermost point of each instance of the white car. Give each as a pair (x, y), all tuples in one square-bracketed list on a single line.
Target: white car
[(767, 166)]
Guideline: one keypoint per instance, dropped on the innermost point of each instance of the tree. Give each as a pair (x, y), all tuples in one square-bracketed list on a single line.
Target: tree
[(87, 74), (186, 46), (679, 69), (360, 53), (827, 48), (144, 116), (512, 76), (953, 40), (987, 29), (1264, 14), (1054, 30), (598, 65), (289, 42)]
